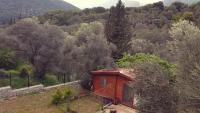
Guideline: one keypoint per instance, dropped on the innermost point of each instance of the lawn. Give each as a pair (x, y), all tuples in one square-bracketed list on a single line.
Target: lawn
[(41, 103)]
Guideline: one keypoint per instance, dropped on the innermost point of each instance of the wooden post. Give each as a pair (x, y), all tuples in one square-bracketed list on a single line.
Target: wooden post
[(10, 80)]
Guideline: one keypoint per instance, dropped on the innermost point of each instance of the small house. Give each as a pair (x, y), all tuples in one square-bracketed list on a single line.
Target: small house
[(114, 85)]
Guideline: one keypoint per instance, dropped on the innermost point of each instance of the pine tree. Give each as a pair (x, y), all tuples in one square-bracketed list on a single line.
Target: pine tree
[(117, 29)]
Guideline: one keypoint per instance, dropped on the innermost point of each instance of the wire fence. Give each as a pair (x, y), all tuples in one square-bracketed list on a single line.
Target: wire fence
[(16, 81)]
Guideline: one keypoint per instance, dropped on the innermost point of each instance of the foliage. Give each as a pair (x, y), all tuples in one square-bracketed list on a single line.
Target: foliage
[(180, 33), (185, 16), (13, 72), (130, 60), (7, 59), (50, 80), (86, 50), (117, 29), (153, 91), (57, 98), (42, 46), (186, 42), (61, 97), (27, 67), (67, 93), (24, 73)]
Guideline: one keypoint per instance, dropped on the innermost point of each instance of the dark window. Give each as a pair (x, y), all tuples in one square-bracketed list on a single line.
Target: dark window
[(127, 93), (103, 82)]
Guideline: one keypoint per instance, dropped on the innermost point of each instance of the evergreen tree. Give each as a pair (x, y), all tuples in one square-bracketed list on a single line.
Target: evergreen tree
[(117, 29)]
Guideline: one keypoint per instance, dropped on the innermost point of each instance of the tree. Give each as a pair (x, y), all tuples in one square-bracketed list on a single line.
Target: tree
[(39, 44), (186, 43), (130, 60), (117, 29), (153, 90), (87, 50)]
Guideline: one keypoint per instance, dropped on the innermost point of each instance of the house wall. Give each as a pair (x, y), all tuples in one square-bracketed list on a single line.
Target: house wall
[(121, 81), (114, 89), (109, 90)]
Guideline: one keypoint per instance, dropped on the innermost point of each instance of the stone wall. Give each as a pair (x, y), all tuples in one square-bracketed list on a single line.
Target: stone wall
[(8, 92)]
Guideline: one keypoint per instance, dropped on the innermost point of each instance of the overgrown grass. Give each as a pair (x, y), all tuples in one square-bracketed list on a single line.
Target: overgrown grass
[(41, 103)]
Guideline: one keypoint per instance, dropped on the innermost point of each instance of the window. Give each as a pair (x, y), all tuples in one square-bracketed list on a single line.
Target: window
[(127, 93), (103, 82)]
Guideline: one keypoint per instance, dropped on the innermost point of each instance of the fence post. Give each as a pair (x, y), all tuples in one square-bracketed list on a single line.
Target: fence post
[(28, 80), (58, 77), (64, 78), (10, 80)]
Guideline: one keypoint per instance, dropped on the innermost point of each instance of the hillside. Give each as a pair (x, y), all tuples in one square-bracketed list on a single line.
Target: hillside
[(190, 2), (25, 8), (128, 3)]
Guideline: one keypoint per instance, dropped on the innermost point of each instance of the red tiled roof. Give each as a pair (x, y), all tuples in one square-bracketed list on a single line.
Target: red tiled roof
[(128, 73)]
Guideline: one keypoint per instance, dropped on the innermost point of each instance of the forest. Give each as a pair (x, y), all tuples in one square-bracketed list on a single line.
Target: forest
[(160, 42)]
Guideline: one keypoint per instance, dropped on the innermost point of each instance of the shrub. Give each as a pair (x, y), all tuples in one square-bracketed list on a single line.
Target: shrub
[(60, 97), (27, 67), (24, 73), (18, 82), (67, 93), (67, 97), (57, 98), (50, 80), (7, 59), (13, 72)]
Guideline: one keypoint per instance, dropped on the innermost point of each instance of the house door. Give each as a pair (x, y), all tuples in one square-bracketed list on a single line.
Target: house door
[(128, 96)]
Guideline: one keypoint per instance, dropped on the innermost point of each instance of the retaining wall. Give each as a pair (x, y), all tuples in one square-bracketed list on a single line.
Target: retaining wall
[(8, 92)]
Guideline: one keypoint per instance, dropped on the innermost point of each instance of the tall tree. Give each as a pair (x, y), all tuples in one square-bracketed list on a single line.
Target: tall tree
[(185, 47), (117, 29)]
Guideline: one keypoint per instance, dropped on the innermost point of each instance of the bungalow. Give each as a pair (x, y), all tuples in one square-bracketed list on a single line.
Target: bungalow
[(114, 85)]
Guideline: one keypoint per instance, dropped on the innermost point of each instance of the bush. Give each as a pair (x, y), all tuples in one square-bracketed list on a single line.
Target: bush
[(13, 72), (7, 59), (57, 98), (24, 73), (67, 93), (18, 82), (50, 80), (27, 67), (60, 97)]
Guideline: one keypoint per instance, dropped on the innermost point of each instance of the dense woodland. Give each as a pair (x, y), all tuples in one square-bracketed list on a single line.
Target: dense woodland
[(161, 43)]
